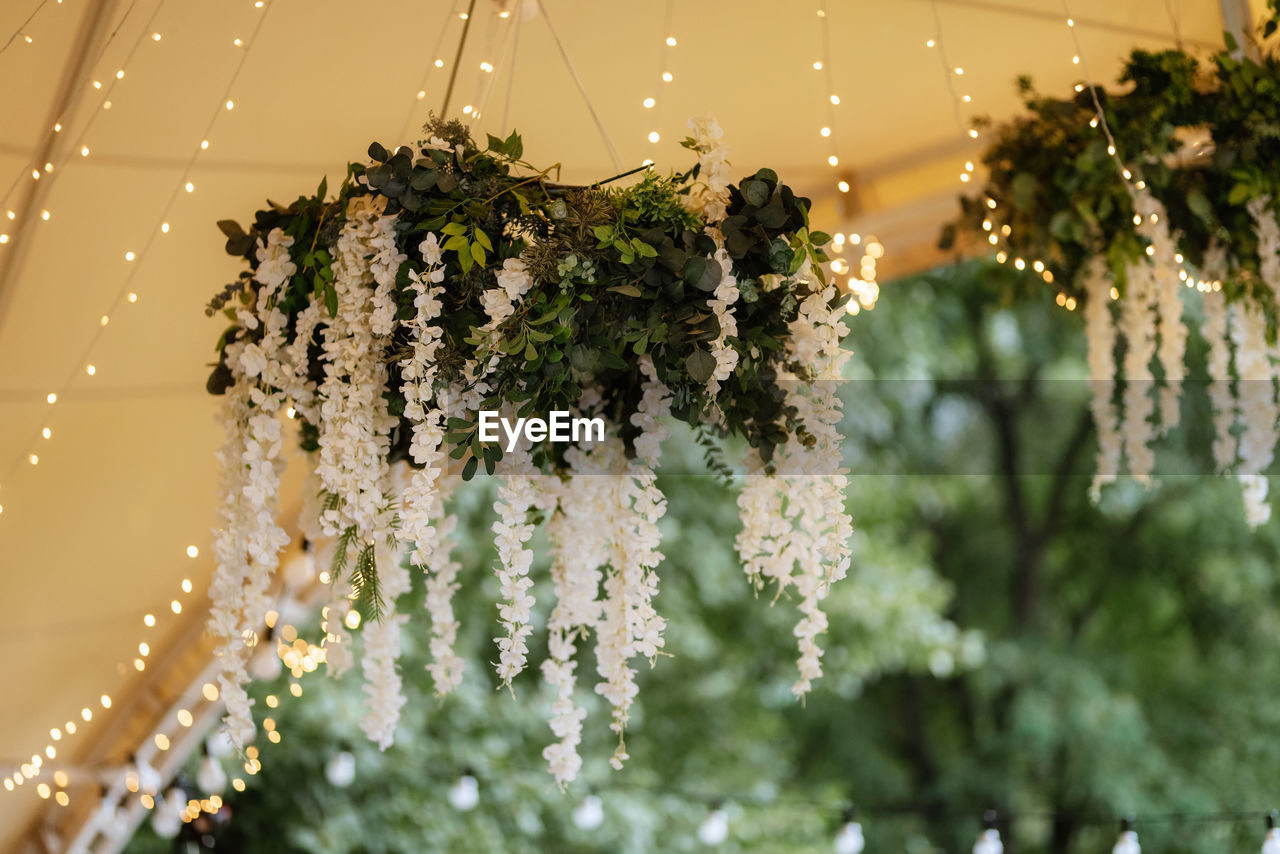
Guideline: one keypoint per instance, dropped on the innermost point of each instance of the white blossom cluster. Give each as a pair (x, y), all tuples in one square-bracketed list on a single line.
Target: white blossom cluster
[(1138, 326), (579, 550), (795, 529), (721, 305), (1100, 333), (713, 167), (1153, 224), (517, 495), (500, 302), (1216, 330), (1258, 409), (248, 541)]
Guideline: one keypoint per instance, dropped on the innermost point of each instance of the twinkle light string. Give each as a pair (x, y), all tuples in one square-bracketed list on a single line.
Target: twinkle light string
[(35, 168), (861, 285), (60, 736), (831, 98), (124, 295), (488, 77), (950, 73), (435, 63), (22, 28), (663, 75)]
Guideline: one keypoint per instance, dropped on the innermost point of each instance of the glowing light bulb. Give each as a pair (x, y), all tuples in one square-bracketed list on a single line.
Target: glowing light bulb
[(825, 131), (51, 397), (47, 433), (90, 370), (204, 145), (129, 256), (45, 215), (930, 43), (439, 63), (843, 186), (835, 99), (666, 77), (671, 41), (653, 136), (649, 103), (155, 37), (231, 105), (134, 297), (193, 551), (817, 66), (149, 620), (189, 187), (164, 227), (833, 160)]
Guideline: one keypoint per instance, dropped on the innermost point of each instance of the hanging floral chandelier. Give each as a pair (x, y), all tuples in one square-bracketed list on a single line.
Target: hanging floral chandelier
[(447, 283), (1124, 202)]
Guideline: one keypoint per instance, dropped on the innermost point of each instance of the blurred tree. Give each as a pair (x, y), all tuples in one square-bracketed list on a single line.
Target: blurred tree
[(1130, 647)]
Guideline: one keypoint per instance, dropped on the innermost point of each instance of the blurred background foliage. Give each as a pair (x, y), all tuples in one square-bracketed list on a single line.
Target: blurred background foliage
[(1000, 643)]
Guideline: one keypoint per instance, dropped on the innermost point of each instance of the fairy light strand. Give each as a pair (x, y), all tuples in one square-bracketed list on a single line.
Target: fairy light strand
[(434, 63), (22, 28), (831, 97), (124, 295), (663, 76), (61, 733), (33, 168)]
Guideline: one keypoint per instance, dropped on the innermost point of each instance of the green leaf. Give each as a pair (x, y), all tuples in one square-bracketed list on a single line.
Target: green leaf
[(469, 468), (331, 300), (454, 228), (755, 192), (700, 365), (483, 240), (627, 290), (378, 153), (477, 252)]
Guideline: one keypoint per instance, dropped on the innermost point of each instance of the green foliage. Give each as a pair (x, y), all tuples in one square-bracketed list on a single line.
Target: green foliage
[(1058, 189), (618, 273)]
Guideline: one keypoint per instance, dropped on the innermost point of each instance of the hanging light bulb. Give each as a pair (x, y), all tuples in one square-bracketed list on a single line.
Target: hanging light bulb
[(211, 778), (341, 769), (1271, 842), (589, 813), (850, 840), (465, 793), (1128, 841), (989, 840), (715, 827)]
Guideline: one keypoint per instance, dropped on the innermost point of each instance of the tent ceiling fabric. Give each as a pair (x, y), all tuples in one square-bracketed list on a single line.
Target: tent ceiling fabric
[(95, 535)]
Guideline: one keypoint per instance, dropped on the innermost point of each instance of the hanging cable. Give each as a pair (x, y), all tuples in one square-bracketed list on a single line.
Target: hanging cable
[(582, 90)]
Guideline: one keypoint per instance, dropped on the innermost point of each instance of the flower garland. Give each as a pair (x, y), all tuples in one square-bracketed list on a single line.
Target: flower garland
[(1100, 333), (439, 283), (1061, 202)]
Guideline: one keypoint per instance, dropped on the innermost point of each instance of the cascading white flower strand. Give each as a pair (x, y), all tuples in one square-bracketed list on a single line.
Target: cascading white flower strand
[(1258, 409), (578, 552), (713, 165), (424, 526), (1100, 333), (354, 438), (1138, 326), (633, 505), (1216, 330), (796, 531), (1152, 223), (248, 542)]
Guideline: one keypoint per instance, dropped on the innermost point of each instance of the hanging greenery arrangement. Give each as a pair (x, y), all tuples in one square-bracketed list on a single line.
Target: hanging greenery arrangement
[(444, 281), (1126, 201)]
